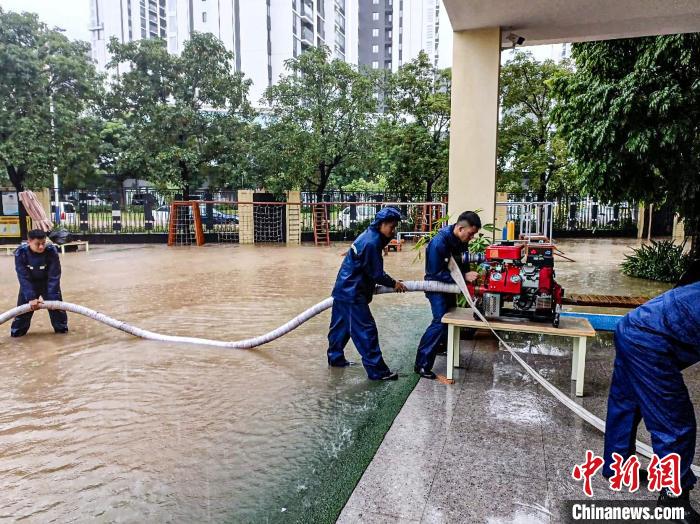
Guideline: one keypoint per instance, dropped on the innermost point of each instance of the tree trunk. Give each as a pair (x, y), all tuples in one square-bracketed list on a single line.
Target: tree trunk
[(17, 177), (323, 175), (429, 191), (541, 194)]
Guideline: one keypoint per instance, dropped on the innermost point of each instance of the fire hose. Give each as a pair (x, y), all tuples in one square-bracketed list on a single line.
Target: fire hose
[(420, 285)]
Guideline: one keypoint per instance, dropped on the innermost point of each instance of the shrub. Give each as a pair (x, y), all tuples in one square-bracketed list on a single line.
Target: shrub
[(663, 261)]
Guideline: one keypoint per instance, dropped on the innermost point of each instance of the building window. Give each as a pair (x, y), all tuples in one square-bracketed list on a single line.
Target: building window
[(375, 33), (375, 48), (204, 17), (375, 65), (375, 2), (375, 16)]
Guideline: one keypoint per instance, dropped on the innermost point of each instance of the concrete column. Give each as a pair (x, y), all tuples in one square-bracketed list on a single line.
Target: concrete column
[(246, 228), (293, 217), (474, 122)]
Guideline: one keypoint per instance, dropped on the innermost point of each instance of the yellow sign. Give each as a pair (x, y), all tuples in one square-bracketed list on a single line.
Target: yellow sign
[(9, 227)]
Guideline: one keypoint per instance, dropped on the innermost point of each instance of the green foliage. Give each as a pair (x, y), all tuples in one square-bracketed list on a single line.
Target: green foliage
[(414, 137), (630, 114), (320, 113), (40, 66), (186, 116), (663, 261), (528, 144), (368, 186)]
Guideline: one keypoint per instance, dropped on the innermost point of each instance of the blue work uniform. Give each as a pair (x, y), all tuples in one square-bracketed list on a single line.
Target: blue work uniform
[(39, 275), (437, 257), (653, 344), (351, 318)]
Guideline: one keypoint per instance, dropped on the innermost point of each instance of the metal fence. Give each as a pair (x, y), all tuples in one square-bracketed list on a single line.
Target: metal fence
[(146, 210)]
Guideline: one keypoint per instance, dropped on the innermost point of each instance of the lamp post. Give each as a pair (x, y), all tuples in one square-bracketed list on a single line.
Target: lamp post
[(57, 206)]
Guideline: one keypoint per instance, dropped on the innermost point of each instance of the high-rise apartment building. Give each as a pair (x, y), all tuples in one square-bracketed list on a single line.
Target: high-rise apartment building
[(262, 34), (393, 32)]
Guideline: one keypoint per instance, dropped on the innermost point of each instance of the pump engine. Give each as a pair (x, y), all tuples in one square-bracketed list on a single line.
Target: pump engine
[(512, 287)]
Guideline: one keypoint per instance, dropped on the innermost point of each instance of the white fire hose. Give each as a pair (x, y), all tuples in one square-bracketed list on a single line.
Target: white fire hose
[(419, 285)]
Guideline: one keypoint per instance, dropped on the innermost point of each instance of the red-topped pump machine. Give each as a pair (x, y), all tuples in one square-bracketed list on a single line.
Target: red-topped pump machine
[(518, 281)]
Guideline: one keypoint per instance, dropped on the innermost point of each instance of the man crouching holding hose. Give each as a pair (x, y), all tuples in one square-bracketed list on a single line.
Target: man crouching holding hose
[(351, 318)]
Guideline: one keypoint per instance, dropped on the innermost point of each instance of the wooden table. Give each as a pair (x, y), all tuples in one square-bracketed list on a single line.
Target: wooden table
[(577, 328)]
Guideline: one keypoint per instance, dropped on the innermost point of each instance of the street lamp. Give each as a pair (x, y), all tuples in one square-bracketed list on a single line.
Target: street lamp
[(57, 213)]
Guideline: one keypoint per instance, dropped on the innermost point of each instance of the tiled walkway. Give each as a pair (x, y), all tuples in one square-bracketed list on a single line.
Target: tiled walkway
[(495, 446)]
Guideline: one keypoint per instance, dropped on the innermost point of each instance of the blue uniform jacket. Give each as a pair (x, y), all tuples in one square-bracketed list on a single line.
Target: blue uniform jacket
[(363, 267), (668, 323), (437, 256), (38, 273)]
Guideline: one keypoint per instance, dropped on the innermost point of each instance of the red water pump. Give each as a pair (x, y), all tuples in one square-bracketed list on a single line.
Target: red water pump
[(511, 287)]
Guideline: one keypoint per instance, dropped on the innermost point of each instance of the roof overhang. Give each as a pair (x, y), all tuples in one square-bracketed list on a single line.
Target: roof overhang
[(555, 21)]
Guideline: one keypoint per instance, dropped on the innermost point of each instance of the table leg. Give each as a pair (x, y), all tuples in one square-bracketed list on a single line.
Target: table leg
[(574, 360), (455, 341), (450, 350), (580, 366)]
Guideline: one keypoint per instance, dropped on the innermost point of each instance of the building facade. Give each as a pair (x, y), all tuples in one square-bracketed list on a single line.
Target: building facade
[(262, 34), (393, 32)]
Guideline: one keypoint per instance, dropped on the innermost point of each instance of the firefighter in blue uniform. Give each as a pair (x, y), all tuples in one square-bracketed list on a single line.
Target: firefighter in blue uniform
[(653, 344), (39, 273), (351, 318), (450, 241)]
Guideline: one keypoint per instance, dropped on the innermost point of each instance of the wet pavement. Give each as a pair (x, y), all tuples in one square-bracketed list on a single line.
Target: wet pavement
[(100, 425), (496, 447)]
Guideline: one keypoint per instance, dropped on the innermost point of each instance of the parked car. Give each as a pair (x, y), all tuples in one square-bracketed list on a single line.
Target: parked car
[(363, 213), (162, 215), (90, 199), (140, 199), (66, 210)]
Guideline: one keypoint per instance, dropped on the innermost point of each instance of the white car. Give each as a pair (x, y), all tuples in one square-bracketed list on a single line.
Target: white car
[(362, 213)]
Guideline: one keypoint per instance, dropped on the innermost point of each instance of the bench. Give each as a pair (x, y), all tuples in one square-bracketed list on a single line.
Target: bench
[(10, 249), (79, 243), (577, 328), (394, 245)]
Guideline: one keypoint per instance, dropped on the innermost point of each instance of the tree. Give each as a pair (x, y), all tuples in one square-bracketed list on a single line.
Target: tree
[(529, 148), (630, 113), (42, 69), (320, 113), (414, 139), (183, 113)]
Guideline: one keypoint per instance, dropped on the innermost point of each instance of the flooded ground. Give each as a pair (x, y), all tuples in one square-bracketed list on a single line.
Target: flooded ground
[(99, 425)]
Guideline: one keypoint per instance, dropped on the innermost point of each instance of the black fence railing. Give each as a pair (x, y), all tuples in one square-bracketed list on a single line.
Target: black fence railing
[(146, 210)]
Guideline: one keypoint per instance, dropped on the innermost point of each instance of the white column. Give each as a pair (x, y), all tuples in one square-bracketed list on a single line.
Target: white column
[(474, 122)]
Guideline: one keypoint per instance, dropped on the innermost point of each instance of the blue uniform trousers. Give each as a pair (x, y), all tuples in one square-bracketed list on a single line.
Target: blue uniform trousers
[(354, 321), (434, 339)]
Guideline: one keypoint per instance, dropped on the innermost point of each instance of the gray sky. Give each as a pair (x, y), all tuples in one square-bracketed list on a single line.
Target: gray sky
[(71, 15)]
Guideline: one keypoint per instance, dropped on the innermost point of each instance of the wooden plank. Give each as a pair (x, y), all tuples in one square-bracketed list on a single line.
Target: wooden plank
[(604, 300), (568, 326)]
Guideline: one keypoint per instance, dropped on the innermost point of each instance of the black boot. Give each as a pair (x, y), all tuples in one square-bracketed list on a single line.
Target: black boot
[(668, 500), (425, 373), (342, 364)]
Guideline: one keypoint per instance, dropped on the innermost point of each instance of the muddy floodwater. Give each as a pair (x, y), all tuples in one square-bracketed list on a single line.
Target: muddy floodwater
[(98, 425)]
